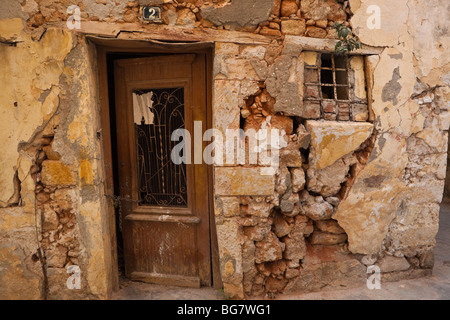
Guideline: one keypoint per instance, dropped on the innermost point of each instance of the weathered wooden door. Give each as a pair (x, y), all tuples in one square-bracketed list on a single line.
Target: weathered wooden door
[(166, 223)]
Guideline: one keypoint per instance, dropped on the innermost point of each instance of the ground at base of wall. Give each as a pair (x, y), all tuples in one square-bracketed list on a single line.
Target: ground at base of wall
[(132, 290), (434, 287)]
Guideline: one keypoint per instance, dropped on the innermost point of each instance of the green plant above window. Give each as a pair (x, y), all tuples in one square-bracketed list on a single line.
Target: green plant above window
[(347, 42)]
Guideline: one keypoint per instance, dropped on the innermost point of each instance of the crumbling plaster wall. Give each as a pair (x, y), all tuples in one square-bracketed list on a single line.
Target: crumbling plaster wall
[(394, 203), (49, 124), (390, 213), (271, 234)]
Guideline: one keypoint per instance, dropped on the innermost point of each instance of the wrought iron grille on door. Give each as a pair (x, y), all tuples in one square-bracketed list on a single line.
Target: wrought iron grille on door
[(157, 113)]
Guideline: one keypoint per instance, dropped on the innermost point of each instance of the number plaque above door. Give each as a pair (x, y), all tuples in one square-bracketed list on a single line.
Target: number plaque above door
[(151, 14)]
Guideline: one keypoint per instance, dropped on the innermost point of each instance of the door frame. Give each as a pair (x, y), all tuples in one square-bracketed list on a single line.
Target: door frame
[(103, 47)]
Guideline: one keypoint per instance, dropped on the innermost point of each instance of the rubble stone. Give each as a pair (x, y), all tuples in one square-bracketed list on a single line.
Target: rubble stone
[(269, 249), (330, 226), (294, 27), (327, 239), (391, 264), (320, 210), (288, 8), (298, 179)]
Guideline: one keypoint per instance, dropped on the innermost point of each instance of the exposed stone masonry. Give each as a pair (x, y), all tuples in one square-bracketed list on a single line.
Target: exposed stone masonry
[(283, 232), (359, 182), (311, 18), (56, 202), (279, 229), (291, 239)]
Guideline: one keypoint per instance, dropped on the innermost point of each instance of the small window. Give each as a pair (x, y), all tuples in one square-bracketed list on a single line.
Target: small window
[(331, 73), (334, 90)]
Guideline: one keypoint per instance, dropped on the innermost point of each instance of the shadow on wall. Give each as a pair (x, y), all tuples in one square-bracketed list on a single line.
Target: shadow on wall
[(447, 177)]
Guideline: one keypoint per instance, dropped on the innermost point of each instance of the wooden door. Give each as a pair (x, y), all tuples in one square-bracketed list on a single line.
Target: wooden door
[(165, 217)]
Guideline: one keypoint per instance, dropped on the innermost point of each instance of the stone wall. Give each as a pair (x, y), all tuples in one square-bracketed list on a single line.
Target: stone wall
[(376, 212), (358, 184), (51, 178), (312, 18)]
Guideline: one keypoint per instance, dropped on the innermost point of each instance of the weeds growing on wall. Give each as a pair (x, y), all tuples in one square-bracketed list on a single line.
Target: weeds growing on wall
[(347, 41)]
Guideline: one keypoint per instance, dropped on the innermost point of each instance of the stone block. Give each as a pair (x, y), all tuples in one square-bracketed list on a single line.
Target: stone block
[(328, 181), (270, 32), (426, 259), (298, 179), (270, 249), (288, 8), (327, 239), (285, 81), (280, 226), (230, 250), (369, 260), (233, 291), (290, 157), (57, 281), (288, 202), (434, 138), (11, 30), (293, 27), (331, 141), (323, 23), (311, 110), (302, 226), (237, 181), (256, 233), (67, 200), (226, 105), (50, 218), (295, 247), (318, 210), (281, 123), (321, 10), (329, 106), (242, 13), (227, 207), (186, 17), (330, 226), (261, 209), (248, 256), (228, 49), (56, 257), (253, 52), (276, 268), (418, 224), (393, 264), (291, 273), (316, 32), (343, 112), (236, 69), (56, 173)]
